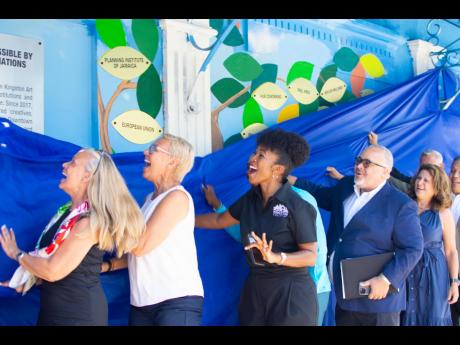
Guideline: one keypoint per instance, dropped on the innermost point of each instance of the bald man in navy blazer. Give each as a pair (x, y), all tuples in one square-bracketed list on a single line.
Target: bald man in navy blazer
[(369, 216)]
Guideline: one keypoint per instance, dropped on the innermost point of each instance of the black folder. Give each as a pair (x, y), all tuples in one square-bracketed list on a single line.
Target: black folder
[(356, 270)]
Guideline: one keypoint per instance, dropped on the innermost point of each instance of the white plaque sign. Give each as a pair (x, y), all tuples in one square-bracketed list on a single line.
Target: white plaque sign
[(22, 81)]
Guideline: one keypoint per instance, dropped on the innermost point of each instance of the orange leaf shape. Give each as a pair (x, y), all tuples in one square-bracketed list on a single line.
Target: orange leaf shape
[(357, 79)]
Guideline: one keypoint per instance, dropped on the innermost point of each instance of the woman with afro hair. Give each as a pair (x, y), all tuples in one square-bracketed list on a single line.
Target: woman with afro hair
[(278, 231)]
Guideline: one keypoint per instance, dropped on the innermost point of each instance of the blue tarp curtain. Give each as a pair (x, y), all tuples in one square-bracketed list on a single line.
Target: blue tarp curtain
[(407, 118)]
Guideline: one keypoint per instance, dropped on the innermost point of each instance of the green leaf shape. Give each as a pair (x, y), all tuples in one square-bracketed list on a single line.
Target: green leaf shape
[(347, 96), (149, 92), (305, 109), (111, 32), (233, 39), (243, 66), (145, 32), (225, 88), (217, 25), (233, 139), (346, 59), (252, 113), (300, 69), (269, 74), (326, 73)]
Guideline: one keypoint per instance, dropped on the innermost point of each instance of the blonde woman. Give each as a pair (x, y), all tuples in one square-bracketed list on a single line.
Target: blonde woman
[(101, 216), (166, 287)]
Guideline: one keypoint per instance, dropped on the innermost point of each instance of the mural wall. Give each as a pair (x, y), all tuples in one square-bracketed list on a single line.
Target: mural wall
[(130, 91), (273, 71), (103, 78)]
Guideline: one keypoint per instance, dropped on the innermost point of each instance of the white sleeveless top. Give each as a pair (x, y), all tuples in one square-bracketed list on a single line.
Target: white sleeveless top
[(171, 269)]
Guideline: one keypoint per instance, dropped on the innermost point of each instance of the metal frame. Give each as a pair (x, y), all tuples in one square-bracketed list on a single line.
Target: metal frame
[(449, 56)]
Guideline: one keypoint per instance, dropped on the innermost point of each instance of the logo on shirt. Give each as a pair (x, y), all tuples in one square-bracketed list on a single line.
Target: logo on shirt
[(280, 211)]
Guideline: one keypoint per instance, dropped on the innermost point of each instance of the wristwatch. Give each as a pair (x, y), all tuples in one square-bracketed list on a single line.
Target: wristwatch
[(454, 280), (20, 255)]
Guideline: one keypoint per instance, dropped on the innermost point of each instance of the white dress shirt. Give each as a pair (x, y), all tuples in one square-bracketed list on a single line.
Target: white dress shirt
[(357, 201), (351, 206)]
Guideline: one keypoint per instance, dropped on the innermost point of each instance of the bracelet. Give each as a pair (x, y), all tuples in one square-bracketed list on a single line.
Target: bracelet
[(109, 262), (19, 255), (283, 258), (454, 280)]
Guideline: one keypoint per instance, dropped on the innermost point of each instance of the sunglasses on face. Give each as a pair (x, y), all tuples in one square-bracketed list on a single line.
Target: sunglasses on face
[(155, 148), (366, 162)]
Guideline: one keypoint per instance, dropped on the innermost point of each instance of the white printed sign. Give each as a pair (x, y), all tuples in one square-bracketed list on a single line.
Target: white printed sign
[(22, 81)]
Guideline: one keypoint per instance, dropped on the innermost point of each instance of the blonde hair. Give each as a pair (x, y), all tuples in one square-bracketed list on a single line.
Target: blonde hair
[(182, 150), (115, 216)]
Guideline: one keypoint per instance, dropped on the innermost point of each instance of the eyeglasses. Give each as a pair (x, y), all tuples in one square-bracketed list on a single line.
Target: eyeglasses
[(155, 148), (366, 162), (101, 154)]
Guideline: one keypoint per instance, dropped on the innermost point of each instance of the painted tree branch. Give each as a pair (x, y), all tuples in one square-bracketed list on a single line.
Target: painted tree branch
[(124, 85), (216, 135), (101, 111)]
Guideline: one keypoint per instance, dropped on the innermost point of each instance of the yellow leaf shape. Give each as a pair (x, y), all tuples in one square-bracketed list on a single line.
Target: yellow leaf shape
[(137, 127), (372, 65), (252, 129), (333, 90), (124, 63), (288, 112), (322, 107), (303, 91), (270, 96)]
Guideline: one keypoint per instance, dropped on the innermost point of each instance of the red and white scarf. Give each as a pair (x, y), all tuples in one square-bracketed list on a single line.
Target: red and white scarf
[(21, 275)]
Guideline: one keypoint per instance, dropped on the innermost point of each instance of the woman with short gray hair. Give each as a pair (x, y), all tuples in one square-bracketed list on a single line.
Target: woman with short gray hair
[(166, 287)]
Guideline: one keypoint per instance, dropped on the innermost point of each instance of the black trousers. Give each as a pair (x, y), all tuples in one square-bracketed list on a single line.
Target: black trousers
[(181, 311), (353, 318), (455, 312), (279, 299)]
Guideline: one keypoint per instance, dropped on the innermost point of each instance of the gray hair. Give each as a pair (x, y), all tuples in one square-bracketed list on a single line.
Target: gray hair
[(434, 153), (386, 154), (182, 150)]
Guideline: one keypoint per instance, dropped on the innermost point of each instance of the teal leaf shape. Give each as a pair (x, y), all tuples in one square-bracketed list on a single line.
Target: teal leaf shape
[(225, 88), (346, 59), (233, 139), (269, 74), (146, 35), (326, 73), (149, 92), (243, 66)]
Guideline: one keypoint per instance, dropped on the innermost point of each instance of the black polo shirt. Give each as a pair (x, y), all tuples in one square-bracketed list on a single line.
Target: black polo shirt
[(287, 219)]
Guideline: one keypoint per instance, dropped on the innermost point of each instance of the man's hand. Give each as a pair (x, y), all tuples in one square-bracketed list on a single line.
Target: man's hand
[(211, 196), (332, 172), (373, 138), (379, 287), (291, 179)]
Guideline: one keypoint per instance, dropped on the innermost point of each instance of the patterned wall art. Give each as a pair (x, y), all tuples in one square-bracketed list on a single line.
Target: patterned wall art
[(254, 88), (133, 67)]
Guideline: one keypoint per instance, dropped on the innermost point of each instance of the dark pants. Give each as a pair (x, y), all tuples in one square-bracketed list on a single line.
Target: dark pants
[(455, 312), (278, 299), (182, 311), (353, 318)]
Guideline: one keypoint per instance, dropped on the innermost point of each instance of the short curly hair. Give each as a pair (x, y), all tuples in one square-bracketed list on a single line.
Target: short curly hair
[(441, 185), (292, 149)]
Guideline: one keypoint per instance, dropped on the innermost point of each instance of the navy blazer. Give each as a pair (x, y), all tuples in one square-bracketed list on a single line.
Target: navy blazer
[(388, 222)]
